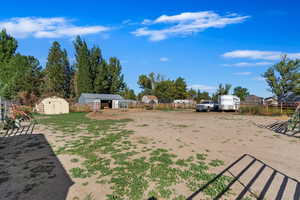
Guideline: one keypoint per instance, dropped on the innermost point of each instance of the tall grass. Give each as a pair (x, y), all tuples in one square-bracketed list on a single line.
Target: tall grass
[(267, 111)]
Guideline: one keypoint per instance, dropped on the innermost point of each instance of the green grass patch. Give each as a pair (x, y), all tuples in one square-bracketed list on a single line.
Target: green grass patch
[(216, 163), (113, 158)]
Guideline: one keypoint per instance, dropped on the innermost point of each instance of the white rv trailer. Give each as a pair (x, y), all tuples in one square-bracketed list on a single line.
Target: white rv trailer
[(229, 102)]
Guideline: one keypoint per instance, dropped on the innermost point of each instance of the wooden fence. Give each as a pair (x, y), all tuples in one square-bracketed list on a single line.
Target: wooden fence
[(281, 109)]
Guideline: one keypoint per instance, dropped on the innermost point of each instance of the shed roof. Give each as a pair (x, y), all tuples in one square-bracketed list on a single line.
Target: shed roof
[(102, 96), (151, 97), (253, 96)]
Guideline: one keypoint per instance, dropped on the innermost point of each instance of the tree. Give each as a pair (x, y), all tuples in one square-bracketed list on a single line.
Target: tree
[(57, 71), (149, 83), (96, 62), (201, 96), (8, 46), (69, 74), (144, 82), (102, 81), (165, 91), (224, 90), (84, 82), (128, 93), (192, 93), (18, 73), (110, 79), (180, 88), (116, 78), (241, 92), (21, 74), (283, 77)]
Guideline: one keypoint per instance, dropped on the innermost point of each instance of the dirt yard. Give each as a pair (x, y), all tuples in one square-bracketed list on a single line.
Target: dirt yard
[(215, 139), (227, 136)]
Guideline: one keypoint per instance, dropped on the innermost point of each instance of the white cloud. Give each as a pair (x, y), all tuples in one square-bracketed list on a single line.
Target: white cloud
[(256, 54), (164, 59), (54, 27), (202, 87), (186, 23), (248, 64), (242, 73), (259, 78)]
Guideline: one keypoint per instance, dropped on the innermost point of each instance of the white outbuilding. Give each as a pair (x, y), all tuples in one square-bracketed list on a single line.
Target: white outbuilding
[(149, 99), (52, 105)]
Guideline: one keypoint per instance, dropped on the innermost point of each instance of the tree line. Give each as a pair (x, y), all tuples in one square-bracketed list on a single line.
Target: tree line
[(22, 77), (167, 90)]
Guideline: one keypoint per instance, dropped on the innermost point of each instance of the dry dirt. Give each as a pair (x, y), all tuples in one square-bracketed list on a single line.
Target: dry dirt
[(223, 136)]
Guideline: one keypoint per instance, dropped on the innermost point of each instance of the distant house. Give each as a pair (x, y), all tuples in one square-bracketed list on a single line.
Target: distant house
[(184, 101), (150, 99), (105, 100), (253, 100), (291, 99), (52, 105), (270, 101)]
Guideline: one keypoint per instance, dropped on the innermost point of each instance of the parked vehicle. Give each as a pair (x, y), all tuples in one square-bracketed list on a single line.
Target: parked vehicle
[(229, 103), (206, 106)]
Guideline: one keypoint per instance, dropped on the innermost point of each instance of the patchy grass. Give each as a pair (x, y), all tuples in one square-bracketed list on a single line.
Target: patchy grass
[(216, 163), (133, 173)]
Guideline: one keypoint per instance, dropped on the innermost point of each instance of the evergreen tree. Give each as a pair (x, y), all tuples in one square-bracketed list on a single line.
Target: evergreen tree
[(68, 77), (115, 76), (96, 62), (56, 67), (102, 81), (8, 46), (84, 82), (180, 89), (22, 74)]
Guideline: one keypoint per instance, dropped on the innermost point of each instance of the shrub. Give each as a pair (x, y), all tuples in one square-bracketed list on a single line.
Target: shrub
[(80, 108)]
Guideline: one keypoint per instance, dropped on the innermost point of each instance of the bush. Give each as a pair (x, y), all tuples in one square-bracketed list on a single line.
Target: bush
[(80, 108), (25, 109)]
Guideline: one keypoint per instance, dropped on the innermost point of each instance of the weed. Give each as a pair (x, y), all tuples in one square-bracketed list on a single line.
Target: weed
[(201, 156), (85, 183), (78, 173), (89, 197), (216, 163), (110, 155), (74, 160)]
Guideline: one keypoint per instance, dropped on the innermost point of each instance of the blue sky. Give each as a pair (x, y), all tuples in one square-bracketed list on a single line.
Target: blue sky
[(206, 42)]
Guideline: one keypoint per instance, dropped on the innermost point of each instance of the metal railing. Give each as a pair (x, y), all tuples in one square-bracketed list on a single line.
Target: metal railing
[(264, 188)]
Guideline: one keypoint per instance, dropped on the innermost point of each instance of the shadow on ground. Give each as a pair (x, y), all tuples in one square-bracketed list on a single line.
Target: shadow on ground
[(257, 180), (29, 169)]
